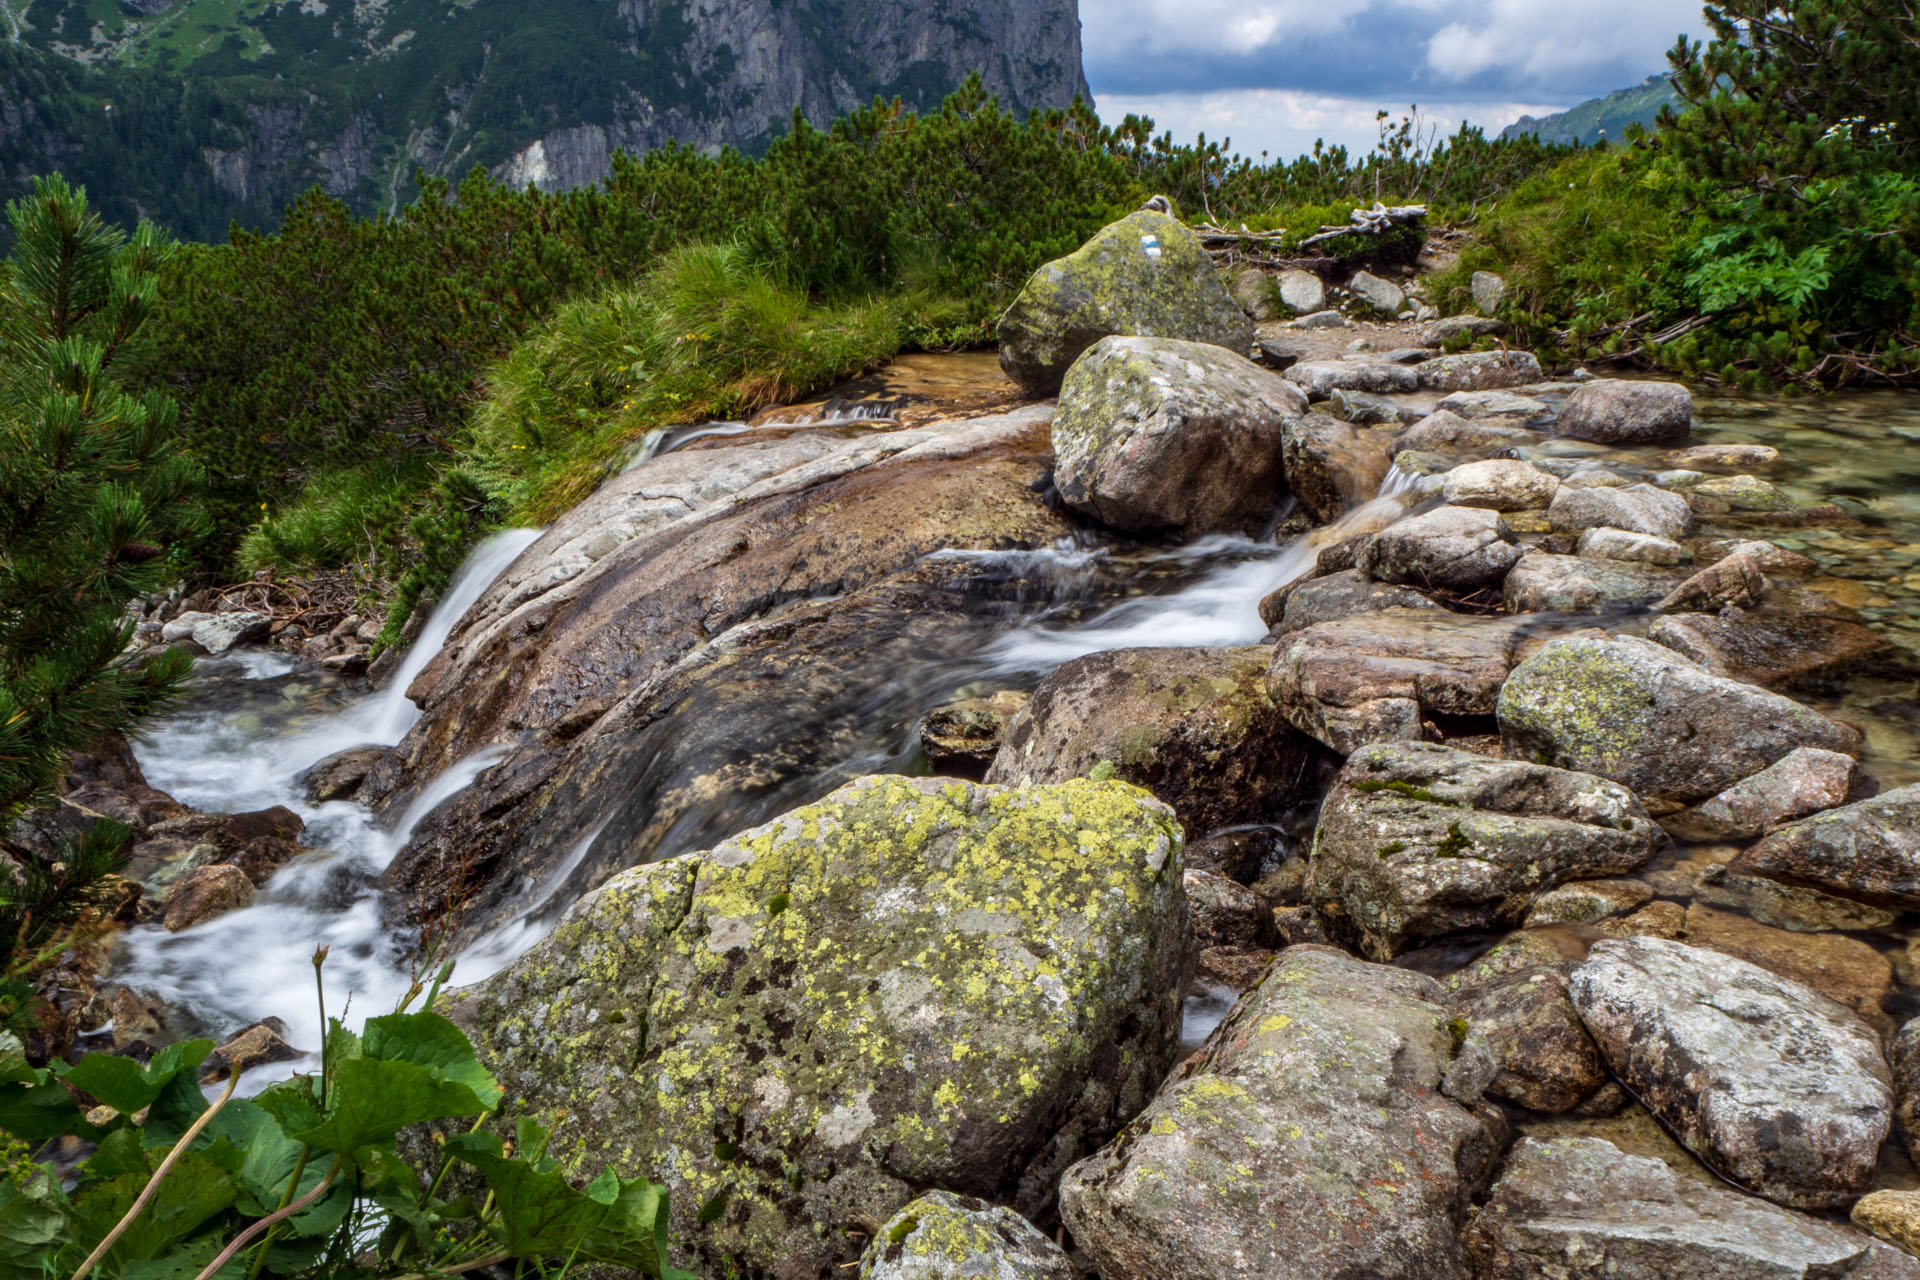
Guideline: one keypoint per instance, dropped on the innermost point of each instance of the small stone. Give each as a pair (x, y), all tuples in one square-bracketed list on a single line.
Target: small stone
[(961, 738), (1339, 595), (1321, 320), (224, 631), (1492, 404), (1449, 432), (260, 1045), (1727, 457), (1894, 1216), (1461, 549), (1585, 901), (1381, 295), (1638, 548), (1499, 484), (1638, 508), (1489, 291), (1303, 293), (1803, 782), (1253, 289), (1869, 851), (338, 777)]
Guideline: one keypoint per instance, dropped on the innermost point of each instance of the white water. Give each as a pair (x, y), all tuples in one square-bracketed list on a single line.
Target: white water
[(1221, 608), (257, 962), (662, 441)]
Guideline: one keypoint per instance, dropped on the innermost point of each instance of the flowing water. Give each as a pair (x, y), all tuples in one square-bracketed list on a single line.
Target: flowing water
[(257, 722)]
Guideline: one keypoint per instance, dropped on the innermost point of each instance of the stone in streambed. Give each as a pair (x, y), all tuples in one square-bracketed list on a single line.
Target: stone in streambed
[(1146, 275), (1602, 543), (1645, 717), (1785, 906), (1444, 431), (1894, 1216), (1545, 583), (1419, 841), (1479, 371), (1802, 782), (1582, 1209), (1845, 970), (1637, 508), (942, 1236), (339, 776), (1311, 1140), (1321, 378), (1868, 851), (1462, 549), (913, 983), (1774, 1086), (1499, 484), (1610, 411), (1903, 1056), (962, 738), (1331, 466), (1196, 727), (1159, 434), (1766, 649), (1587, 901), (1514, 999), (1338, 595), (1493, 404), (204, 893)]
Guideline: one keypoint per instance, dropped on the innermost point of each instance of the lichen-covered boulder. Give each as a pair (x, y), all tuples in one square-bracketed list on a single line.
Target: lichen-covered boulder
[(1146, 275), (915, 982), (1461, 549), (1196, 727), (1775, 1087), (1312, 1140), (1582, 1209), (1159, 434), (942, 1236), (1868, 851), (1610, 411), (1645, 717), (1419, 841), (1479, 371), (1331, 465)]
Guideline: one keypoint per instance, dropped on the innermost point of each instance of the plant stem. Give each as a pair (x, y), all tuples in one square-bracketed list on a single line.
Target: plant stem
[(159, 1175), (286, 1198), (267, 1223), (491, 1260), (320, 987)]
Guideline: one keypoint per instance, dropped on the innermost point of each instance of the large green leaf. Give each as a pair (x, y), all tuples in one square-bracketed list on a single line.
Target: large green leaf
[(541, 1214), (125, 1085), (431, 1041), (33, 1224), (32, 1107), (195, 1191)]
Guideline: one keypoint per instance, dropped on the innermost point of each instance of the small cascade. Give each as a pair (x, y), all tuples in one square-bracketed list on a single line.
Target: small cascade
[(661, 441)]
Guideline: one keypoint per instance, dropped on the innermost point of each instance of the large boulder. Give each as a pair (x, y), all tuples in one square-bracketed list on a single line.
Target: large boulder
[(1331, 465), (1196, 727), (942, 1236), (1775, 1087), (1646, 717), (1869, 851), (1637, 508), (913, 983), (1459, 549), (1616, 412), (1146, 275), (1419, 841), (1378, 677), (1479, 371), (1311, 1139), (1160, 434), (1582, 1209)]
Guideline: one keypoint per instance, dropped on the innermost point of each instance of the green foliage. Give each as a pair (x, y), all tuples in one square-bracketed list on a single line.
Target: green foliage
[(312, 1177), (95, 497)]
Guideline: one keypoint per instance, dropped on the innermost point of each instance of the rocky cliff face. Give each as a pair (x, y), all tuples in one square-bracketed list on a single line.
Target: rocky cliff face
[(245, 112)]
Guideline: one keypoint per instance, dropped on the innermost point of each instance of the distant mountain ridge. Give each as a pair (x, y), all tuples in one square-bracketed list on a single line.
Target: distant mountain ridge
[(200, 111), (1598, 117)]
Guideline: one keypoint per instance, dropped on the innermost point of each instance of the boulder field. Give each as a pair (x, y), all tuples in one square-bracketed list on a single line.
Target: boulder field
[(1540, 913)]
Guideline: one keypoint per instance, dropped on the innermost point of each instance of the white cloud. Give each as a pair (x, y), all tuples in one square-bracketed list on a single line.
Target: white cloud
[(1543, 41)]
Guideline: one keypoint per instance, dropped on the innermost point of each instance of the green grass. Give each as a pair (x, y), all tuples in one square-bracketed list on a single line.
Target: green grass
[(343, 519)]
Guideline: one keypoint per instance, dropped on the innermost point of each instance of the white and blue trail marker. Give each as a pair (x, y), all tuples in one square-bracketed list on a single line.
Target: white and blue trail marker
[(1151, 244)]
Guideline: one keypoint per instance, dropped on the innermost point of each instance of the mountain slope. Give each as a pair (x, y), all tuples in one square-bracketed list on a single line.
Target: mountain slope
[(1598, 117), (195, 111)]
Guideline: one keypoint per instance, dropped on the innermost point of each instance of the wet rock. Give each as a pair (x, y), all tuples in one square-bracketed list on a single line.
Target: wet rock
[(1253, 289), (1463, 549), (1378, 677), (1381, 295), (1310, 1140), (1868, 851), (1499, 484), (915, 982), (1637, 508), (1447, 432), (338, 777), (1800, 783), (1302, 292), (1321, 378), (353, 661), (1331, 466), (1418, 842), (1893, 1216), (962, 738), (1160, 434), (1338, 595), (1639, 714), (1608, 411), (258, 843), (1726, 457), (206, 892), (1363, 409), (1774, 1086), (1574, 1208), (1734, 580), (138, 1021), (181, 626), (942, 1236), (106, 781), (1514, 1000), (1196, 727), (1748, 494), (1768, 650), (1146, 275), (1655, 920), (220, 632), (1489, 291), (1845, 970), (1637, 548), (1543, 583), (1786, 906), (1493, 404), (260, 1045), (1479, 371), (1586, 901), (1903, 1056), (1232, 927)]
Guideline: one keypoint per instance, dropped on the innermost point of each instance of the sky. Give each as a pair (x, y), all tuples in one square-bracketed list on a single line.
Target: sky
[(1274, 75)]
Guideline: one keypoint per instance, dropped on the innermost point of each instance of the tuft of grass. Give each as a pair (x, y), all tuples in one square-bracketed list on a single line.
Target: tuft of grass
[(342, 517)]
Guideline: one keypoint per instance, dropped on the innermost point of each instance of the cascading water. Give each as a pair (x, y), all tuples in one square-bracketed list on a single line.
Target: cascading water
[(256, 962)]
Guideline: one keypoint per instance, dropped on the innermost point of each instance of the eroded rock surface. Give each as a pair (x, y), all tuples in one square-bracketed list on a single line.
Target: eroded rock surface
[(1869, 851)]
